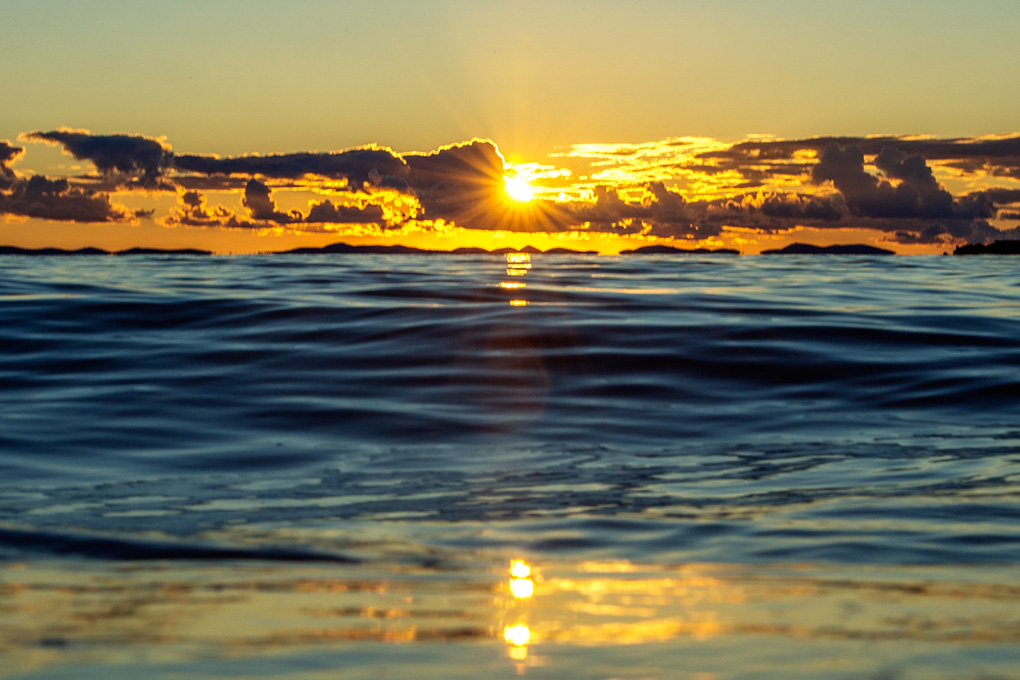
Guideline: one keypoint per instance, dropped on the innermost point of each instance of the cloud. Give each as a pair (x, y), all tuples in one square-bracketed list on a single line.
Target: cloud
[(363, 168), (916, 193), (955, 231), (684, 188), (445, 179), (258, 199), (8, 154), (463, 183), (327, 213), (55, 199), (1002, 149), (192, 211), (999, 196), (138, 158), (763, 159), (801, 207)]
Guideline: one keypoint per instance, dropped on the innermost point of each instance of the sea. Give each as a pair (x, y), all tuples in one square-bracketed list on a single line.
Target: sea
[(706, 467)]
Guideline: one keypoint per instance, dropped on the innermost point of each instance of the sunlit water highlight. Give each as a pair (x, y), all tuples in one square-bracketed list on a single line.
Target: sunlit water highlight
[(556, 466)]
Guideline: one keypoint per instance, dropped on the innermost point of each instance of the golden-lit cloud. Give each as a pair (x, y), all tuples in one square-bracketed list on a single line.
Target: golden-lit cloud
[(694, 191)]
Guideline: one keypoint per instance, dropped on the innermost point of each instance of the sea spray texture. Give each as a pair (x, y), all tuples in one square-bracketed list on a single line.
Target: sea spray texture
[(438, 413)]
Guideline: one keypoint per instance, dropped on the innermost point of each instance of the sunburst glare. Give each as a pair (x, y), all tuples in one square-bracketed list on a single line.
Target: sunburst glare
[(518, 189)]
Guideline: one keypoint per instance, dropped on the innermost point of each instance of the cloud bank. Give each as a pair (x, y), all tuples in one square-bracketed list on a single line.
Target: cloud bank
[(688, 189)]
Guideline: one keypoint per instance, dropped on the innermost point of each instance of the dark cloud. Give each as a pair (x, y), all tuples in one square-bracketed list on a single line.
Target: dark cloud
[(262, 212), (138, 158), (985, 149), (191, 211), (660, 212), (8, 154), (328, 213), (464, 184), (258, 199), (608, 208), (755, 159), (213, 183), (57, 200), (950, 232), (999, 196), (362, 168), (883, 183), (800, 207), (445, 180), (916, 193)]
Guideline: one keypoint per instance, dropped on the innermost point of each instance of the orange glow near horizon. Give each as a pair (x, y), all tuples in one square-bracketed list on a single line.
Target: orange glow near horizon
[(685, 193), (34, 233)]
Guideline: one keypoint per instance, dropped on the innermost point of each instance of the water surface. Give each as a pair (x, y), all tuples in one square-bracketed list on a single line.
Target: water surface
[(316, 466)]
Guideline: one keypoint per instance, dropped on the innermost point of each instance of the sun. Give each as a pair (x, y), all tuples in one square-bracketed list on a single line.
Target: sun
[(518, 189)]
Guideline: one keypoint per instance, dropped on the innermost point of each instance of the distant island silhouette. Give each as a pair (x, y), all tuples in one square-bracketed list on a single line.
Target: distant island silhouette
[(344, 248), (400, 250), (809, 249), (996, 248), (672, 250), (999, 247), (13, 250)]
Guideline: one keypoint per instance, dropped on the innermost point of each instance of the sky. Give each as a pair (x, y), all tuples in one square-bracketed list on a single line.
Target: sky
[(260, 126)]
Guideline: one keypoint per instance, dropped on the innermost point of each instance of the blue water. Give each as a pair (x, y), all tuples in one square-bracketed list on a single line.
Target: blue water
[(444, 414)]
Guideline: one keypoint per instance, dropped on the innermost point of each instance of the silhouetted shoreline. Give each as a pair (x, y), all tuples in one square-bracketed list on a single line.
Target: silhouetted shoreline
[(996, 248), (672, 250), (809, 249), (346, 248), (14, 250), (1005, 247)]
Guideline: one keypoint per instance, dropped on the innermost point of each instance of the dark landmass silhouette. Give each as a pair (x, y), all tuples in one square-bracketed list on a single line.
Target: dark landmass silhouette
[(346, 248), (13, 250), (671, 250), (997, 248), (408, 250), (161, 251), (808, 249)]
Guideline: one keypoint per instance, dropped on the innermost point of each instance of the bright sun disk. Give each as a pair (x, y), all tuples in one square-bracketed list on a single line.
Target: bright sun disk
[(518, 189)]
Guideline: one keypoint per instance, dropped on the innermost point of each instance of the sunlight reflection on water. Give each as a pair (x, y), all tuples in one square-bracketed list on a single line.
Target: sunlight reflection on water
[(168, 615)]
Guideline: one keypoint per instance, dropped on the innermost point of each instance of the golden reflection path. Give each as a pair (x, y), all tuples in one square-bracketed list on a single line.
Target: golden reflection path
[(62, 614), (517, 266)]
